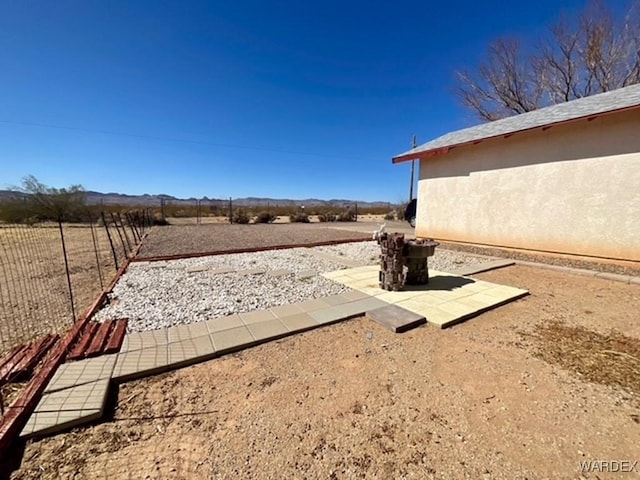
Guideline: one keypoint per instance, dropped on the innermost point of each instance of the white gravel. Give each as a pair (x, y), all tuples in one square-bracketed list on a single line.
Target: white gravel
[(160, 294)]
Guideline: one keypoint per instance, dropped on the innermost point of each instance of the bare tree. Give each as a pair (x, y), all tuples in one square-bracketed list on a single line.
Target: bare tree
[(505, 84), (593, 54)]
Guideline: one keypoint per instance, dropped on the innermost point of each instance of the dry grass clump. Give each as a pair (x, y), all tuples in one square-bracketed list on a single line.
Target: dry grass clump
[(612, 359)]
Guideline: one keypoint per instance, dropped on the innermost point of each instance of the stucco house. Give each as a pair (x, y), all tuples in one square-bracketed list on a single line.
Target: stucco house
[(563, 179)]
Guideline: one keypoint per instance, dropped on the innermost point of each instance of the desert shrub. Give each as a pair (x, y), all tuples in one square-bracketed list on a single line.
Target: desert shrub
[(35, 202), (240, 217), (265, 217), (390, 216), (327, 217), (299, 218), (158, 221), (349, 215)]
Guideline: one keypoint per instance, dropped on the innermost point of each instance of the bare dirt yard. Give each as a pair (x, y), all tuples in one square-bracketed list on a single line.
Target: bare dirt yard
[(528, 390), (190, 239)]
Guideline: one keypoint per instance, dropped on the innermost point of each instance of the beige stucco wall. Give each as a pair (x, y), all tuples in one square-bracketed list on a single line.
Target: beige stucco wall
[(573, 188)]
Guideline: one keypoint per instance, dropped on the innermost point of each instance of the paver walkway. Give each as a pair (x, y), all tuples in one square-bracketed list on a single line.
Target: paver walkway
[(447, 299), (78, 391)]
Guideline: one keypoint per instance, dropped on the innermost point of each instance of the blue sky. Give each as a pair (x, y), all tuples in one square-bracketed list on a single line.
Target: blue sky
[(282, 99)]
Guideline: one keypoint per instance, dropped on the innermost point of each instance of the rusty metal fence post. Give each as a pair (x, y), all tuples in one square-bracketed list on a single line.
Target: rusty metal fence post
[(95, 249), (66, 269), (113, 249), (124, 246)]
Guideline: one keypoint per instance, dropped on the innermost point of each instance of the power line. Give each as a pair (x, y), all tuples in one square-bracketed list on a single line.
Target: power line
[(171, 139)]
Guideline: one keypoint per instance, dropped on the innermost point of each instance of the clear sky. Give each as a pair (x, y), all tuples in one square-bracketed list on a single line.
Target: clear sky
[(282, 99)]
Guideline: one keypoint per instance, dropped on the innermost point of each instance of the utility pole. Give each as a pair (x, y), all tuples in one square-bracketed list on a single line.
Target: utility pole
[(415, 144)]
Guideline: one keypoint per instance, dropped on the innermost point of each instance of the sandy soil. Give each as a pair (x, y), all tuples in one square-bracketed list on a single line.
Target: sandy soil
[(491, 398), (188, 239)]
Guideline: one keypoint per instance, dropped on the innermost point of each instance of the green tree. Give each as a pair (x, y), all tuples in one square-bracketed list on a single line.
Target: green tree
[(49, 203)]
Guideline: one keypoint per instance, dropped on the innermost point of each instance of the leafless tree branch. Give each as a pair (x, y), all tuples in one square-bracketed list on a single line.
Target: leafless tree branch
[(593, 53)]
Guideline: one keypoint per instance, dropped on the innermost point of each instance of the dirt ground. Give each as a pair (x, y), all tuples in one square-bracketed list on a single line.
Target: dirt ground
[(528, 390)]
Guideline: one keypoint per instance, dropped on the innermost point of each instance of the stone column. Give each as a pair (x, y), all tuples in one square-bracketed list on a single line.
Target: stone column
[(391, 261)]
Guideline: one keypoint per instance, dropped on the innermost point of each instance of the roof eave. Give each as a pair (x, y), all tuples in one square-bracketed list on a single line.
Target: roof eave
[(421, 155), (424, 154)]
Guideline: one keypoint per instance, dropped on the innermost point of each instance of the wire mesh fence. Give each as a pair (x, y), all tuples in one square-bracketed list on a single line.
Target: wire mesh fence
[(50, 272)]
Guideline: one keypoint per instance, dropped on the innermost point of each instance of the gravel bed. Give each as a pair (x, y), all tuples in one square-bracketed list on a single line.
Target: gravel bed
[(368, 252), (161, 294), (595, 265), (193, 239)]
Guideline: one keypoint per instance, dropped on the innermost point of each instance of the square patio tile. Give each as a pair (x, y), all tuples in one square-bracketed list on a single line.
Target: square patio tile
[(190, 351), (253, 271), (427, 299), (449, 295), (501, 292), (231, 340), (83, 371), (366, 275), (367, 304), (139, 363), (224, 323), (396, 319), (184, 332), (64, 409), (257, 316), (331, 314), (441, 318), (286, 310), (486, 300), (350, 282), (299, 322), (355, 295), (334, 300), (478, 286), (269, 329), (312, 305), (278, 273), (332, 275), (87, 396), (392, 297), (221, 270), (48, 423), (475, 303), (412, 305), (371, 291), (306, 274), (141, 340), (458, 309)]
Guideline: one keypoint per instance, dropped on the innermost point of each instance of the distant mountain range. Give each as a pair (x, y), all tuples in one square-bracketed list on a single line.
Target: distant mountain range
[(146, 200)]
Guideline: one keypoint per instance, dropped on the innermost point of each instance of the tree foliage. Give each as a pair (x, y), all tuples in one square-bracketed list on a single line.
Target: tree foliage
[(35, 202), (590, 54)]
